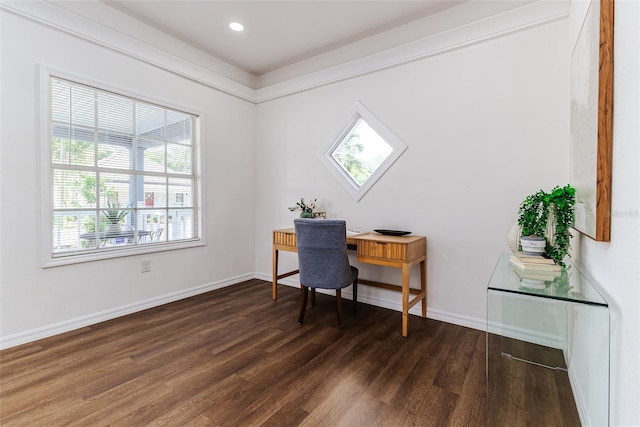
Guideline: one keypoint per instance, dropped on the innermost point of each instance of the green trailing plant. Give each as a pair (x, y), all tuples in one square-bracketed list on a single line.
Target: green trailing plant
[(561, 201), (533, 217), (561, 285)]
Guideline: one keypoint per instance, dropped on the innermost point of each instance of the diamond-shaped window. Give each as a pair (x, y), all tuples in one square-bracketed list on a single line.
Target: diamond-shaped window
[(360, 152)]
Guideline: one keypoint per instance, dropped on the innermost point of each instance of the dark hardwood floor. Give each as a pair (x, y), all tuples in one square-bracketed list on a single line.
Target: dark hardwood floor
[(525, 394), (234, 357)]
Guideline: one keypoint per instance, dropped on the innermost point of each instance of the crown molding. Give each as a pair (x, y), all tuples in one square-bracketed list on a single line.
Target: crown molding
[(522, 18), (60, 19), (530, 15)]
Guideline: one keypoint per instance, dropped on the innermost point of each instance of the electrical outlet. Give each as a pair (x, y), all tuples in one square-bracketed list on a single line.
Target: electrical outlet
[(145, 265)]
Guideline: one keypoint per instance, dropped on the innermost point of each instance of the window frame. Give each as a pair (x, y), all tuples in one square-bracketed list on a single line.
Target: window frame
[(359, 111), (51, 259)]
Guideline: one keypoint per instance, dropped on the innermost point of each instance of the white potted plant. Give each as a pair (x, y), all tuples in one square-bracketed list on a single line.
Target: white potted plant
[(545, 220), (114, 214)]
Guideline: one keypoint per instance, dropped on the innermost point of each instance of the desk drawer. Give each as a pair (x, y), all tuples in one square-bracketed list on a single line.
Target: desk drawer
[(386, 250), (285, 238)]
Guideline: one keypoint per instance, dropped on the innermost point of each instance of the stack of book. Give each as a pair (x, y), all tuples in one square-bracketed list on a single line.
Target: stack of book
[(535, 267)]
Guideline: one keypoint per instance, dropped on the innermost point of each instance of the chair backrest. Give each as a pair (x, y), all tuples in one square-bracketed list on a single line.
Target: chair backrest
[(157, 234), (322, 253)]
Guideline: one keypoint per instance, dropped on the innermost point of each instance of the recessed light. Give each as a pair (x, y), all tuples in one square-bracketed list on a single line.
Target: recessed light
[(236, 26)]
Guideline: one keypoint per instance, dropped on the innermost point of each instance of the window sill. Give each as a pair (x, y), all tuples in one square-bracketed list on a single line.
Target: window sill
[(119, 253)]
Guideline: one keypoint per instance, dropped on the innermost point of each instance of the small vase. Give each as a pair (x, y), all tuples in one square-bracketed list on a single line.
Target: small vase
[(306, 214)]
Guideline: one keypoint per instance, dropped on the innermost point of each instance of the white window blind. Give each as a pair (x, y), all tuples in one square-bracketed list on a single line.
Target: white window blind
[(122, 172)]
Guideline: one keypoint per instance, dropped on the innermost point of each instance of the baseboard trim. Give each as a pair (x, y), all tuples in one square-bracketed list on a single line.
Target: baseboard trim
[(578, 397), (528, 335), (396, 305), (92, 319), (432, 313)]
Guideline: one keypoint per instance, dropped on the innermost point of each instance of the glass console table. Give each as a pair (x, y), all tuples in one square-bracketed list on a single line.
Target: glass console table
[(547, 348)]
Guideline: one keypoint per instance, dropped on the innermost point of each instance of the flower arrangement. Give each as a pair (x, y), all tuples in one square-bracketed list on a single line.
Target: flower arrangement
[(305, 209)]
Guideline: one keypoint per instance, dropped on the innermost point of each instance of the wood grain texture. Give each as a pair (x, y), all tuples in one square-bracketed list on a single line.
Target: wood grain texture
[(235, 357), (605, 123)]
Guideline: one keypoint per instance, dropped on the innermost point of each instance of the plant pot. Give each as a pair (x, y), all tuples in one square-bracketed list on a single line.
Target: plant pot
[(306, 215), (533, 245), (113, 228)]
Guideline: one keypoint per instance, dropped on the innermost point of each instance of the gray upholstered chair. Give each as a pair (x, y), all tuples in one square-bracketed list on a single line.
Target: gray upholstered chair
[(323, 261)]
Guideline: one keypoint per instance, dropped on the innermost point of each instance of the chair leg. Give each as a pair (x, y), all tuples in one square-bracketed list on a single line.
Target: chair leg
[(303, 308), (339, 301), (313, 297), (355, 295)]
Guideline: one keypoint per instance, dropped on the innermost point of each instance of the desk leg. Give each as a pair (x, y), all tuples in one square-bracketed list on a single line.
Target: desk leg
[(423, 286), (405, 300), (274, 269)]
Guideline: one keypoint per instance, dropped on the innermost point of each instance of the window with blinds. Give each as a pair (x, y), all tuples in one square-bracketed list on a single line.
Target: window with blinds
[(122, 172)]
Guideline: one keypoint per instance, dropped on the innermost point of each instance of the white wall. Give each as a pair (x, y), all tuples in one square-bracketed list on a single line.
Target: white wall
[(615, 266), (37, 302), (485, 126)]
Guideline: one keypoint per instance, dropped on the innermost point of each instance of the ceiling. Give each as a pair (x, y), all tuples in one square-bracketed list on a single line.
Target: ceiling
[(277, 33)]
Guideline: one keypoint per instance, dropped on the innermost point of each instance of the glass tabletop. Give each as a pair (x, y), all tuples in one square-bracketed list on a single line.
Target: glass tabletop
[(568, 285)]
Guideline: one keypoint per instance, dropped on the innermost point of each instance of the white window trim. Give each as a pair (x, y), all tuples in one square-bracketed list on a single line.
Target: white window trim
[(45, 184), (398, 147)]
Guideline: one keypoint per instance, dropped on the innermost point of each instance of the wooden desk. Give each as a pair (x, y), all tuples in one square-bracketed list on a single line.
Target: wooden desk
[(390, 251)]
